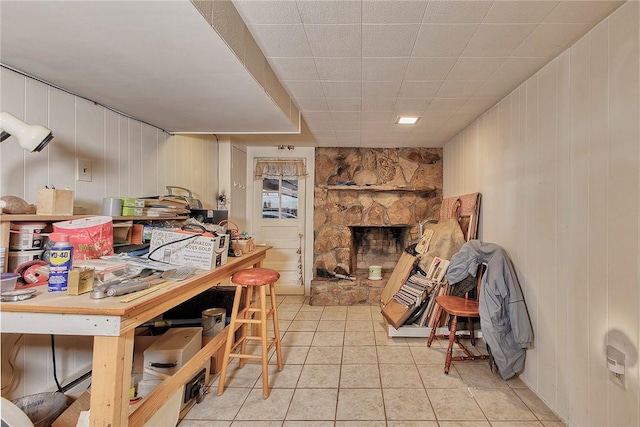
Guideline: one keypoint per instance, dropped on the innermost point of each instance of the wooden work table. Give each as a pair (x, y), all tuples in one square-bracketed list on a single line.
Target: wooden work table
[(113, 323)]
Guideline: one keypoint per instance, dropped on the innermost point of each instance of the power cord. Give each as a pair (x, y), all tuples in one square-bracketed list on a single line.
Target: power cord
[(201, 231), (53, 357)]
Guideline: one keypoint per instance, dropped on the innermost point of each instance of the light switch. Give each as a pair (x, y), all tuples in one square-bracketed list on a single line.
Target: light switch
[(84, 170)]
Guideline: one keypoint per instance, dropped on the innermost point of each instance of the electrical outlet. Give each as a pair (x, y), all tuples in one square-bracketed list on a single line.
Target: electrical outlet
[(618, 379), (84, 170)]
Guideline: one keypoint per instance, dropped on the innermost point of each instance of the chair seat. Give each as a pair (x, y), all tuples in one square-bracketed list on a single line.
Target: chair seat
[(459, 306), (255, 277)]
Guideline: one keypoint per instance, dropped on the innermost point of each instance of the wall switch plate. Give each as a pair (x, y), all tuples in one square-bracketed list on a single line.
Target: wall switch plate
[(84, 170)]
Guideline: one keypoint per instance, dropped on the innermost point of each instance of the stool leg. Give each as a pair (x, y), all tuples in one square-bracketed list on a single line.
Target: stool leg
[(263, 341), (231, 337), (276, 325), (452, 337), (243, 328)]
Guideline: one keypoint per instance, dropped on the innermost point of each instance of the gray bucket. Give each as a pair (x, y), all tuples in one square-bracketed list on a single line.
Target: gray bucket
[(213, 320)]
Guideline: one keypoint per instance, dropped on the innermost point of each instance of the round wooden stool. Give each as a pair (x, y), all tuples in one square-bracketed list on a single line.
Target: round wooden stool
[(256, 281)]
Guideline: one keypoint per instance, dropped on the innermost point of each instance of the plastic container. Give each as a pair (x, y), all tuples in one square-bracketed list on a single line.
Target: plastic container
[(60, 260), (8, 281), (18, 257), (42, 408), (29, 236)]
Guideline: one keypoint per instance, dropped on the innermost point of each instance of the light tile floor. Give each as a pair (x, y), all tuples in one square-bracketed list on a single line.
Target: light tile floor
[(342, 370)]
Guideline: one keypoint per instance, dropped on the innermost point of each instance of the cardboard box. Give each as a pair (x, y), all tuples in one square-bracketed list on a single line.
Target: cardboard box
[(80, 281), (54, 202), (179, 247), (69, 418), (222, 249), (130, 202), (129, 211)]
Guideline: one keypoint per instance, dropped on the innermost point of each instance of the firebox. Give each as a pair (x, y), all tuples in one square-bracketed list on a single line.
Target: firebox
[(378, 245)]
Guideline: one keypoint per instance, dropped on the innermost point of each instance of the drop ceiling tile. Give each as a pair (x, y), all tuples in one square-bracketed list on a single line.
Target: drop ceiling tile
[(478, 105), (380, 89), (342, 89), (420, 90), (442, 40), (518, 69), (339, 69), (345, 116), (492, 40), (429, 68), (281, 40), (411, 106), (457, 89), (446, 104), (550, 39), (371, 136), (340, 126), (317, 116), (456, 12), (334, 40), (388, 40), (378, 104), (474, 68), (384, 69), (513, 12), (375, 126), (312, 104), (495, 89), (344, 104), (304, 88), (396, 12), (376, 116), (590, 12), (348, 136), (268, 12), (330, 12), (320, 126), (294, 68)]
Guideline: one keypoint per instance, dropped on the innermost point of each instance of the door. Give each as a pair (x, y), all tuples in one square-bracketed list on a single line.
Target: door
[(279, 219)]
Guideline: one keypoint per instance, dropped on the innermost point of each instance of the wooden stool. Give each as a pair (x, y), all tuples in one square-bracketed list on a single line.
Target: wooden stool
[(256, 281)]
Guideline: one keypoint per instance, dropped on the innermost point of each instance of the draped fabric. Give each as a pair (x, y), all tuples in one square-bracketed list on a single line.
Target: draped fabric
[(276, 168)]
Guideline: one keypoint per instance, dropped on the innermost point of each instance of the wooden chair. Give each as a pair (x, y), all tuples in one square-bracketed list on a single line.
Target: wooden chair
[(457, 306)]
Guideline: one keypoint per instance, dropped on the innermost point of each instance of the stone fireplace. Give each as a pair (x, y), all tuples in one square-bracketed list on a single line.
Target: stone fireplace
[(367, 205)]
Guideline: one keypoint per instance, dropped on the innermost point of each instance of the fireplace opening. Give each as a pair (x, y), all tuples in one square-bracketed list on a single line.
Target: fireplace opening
[(377, 246)]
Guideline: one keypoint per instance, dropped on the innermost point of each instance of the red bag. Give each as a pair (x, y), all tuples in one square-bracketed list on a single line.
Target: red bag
[(91, 237)]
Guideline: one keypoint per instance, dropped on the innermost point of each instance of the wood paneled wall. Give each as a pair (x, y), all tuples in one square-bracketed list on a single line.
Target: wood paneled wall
[(129, 159), (558, 164)]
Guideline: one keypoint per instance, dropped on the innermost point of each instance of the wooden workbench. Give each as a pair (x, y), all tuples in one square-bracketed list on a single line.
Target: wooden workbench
[(113, 323)]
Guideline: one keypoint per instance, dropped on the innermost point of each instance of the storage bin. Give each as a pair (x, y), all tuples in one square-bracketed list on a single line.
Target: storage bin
[(27, 235), (18, 257)]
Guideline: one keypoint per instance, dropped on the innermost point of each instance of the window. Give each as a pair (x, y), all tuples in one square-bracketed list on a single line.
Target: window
[(279, 198)]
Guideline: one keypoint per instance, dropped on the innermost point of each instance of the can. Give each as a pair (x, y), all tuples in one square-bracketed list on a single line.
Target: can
[(213, 320), (60, 260)]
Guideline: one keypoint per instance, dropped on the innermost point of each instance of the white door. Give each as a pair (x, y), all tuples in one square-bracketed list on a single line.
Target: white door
[(279, 222)]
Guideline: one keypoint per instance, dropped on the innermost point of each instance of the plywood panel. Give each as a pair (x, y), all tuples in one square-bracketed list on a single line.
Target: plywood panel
[(124, 163), (578, 195), (90, 146), (150, 170), (135, 159), (111, 154), (62, 157), (598, 218), (11, 154), (547, 229), (36, 164), (624, 194)]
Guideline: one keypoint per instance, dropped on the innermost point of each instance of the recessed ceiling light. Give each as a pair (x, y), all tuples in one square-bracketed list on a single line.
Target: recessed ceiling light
[(402, 120)]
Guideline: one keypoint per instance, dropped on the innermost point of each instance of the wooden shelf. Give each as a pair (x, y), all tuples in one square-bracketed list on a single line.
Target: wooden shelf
[(48, 218), (374, 188)]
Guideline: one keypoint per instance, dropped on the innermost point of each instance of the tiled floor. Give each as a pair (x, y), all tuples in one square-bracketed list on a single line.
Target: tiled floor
[(342, 370)]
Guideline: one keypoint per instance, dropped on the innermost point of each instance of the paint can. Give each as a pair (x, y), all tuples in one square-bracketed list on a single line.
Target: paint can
[(213, 320)]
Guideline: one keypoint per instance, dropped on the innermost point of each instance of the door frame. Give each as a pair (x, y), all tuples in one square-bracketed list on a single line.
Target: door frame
[(309, 156)]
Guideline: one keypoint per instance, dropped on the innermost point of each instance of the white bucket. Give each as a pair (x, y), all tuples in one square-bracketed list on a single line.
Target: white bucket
[(18, 257), (375, 272), (29, 236), (213, 320)]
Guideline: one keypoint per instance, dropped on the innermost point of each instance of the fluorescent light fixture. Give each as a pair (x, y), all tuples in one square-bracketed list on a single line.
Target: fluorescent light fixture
[(403, 120), (30, 137)]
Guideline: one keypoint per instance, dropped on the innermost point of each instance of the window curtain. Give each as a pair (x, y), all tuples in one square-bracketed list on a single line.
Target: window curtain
[(276, 168)]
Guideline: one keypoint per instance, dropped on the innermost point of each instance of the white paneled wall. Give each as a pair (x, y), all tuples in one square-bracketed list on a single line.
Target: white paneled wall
[(558, 164), (129, 158)]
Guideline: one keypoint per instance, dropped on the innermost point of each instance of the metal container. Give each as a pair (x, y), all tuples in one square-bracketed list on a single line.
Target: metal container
[(213, 320)]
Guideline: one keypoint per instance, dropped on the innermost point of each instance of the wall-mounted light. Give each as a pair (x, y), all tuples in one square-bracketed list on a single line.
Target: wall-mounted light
[(30, 137)]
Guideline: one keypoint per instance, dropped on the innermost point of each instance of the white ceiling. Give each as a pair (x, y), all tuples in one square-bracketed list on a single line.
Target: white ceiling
[(351, 66)]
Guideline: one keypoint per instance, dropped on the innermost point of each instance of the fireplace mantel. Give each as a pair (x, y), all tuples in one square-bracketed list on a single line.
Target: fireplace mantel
[(374, 188)]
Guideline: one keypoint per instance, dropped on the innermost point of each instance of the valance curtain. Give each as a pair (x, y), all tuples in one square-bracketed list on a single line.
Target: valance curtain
[(276, 168)]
